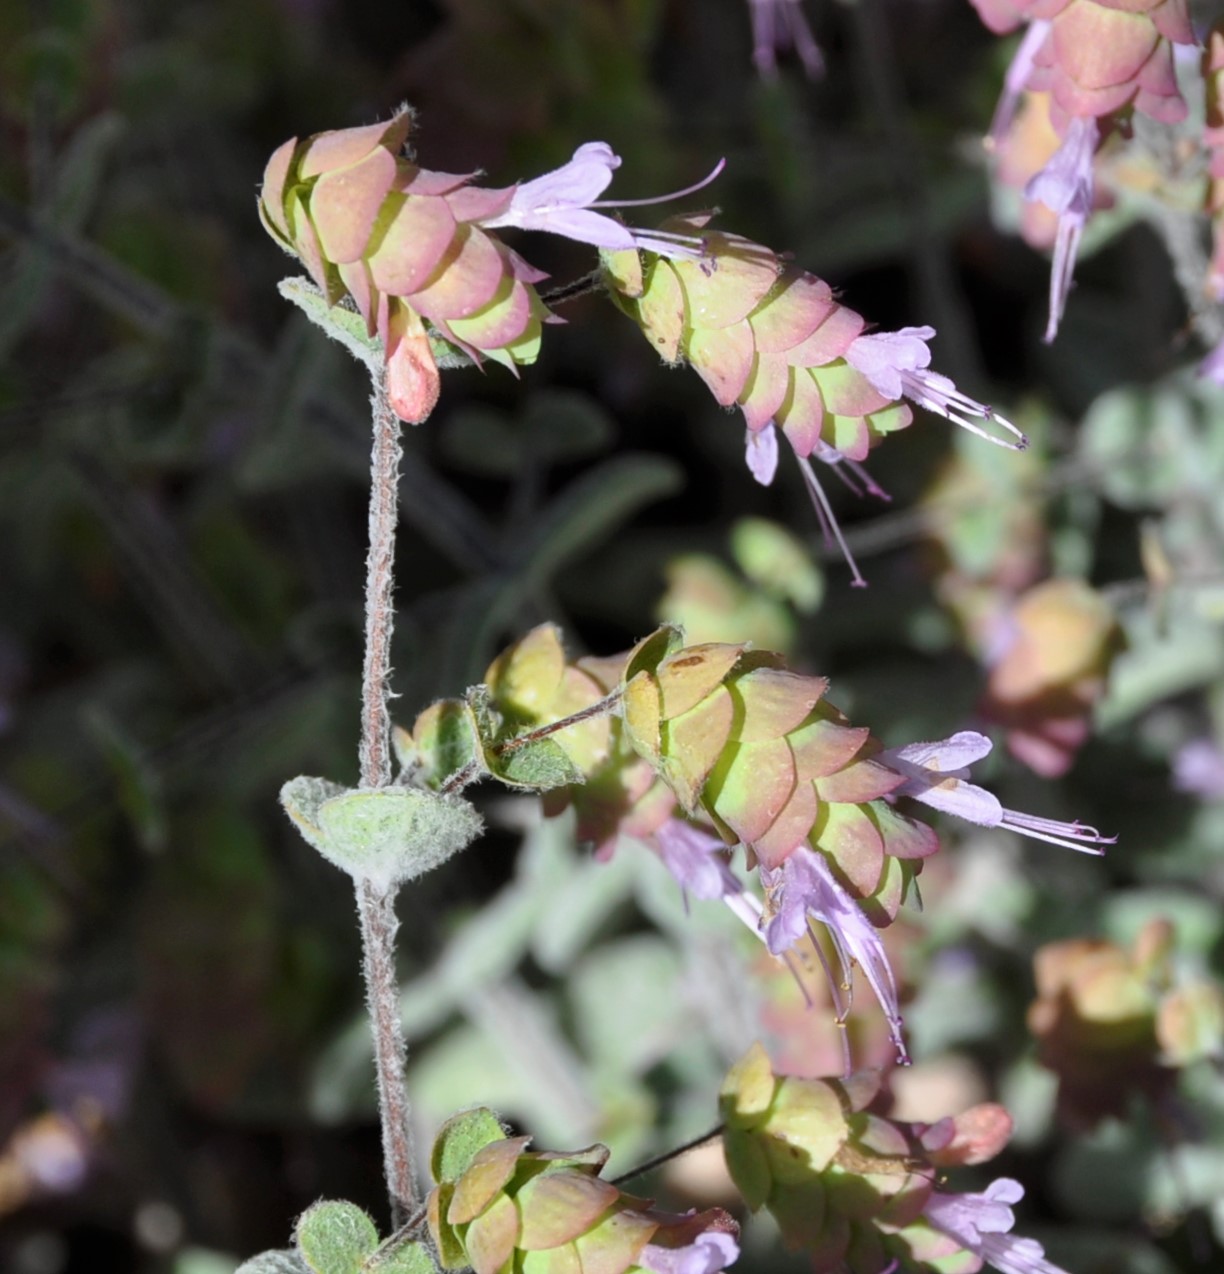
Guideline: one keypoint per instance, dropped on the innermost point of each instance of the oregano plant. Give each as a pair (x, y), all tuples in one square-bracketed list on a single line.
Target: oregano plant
[(708, 752)]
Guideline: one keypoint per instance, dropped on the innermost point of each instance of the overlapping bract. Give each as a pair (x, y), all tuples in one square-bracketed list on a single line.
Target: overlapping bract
[(1101, 56), (508, 1208), (847, 1187), (404, 244), (756, 749), (737, 739), (766, 337)]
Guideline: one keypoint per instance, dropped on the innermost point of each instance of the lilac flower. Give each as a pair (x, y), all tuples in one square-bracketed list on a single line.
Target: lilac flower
[(711, 1251), (1198, 768), (761, 453), (1016, 80), (779, 25), (1212, 367), (981, 1224), (695, 858), (761, 457), (560, 202), (804, 886), (937, 774), (1065, 186), (898, 365)]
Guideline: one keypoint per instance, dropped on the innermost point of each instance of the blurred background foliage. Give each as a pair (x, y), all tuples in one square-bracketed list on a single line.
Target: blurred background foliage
[(183, 1058)]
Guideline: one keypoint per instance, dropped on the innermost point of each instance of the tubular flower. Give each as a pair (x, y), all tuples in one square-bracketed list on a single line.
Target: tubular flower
[(561, 201), (406, 246), (773, 341), (857, 1191), (1099, 57), (503, 1208), (937, 774), (1065, 186)]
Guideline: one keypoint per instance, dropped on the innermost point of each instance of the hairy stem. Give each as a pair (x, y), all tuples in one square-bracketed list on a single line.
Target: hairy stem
[(375, 906), (380, 582), (378, 925)]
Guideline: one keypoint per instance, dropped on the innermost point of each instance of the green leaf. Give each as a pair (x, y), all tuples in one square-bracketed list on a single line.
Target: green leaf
[(344, 326), (335, 1237), (538, 767), (198, 1260), (402, 1258), (284, 1261), (386, 835), (459, 1139)]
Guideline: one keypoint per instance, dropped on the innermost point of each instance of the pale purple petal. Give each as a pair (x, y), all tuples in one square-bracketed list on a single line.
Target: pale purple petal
[(937, 774), (696, 859), (761, 453), (882, 356), (560, 202), (1198, 768), (1016, 79), (707, 1254), (898, 366), (1212, 367), (574, 185), (947, 755), (804, 885), (981, 1224), (1065, 186)]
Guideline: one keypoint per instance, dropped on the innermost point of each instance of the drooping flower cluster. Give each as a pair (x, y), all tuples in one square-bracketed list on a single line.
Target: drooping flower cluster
[(409, 247), (772, 340), (1097, 60), (499, 1207), (855, 1190), (1112, 1022), (716, 746)]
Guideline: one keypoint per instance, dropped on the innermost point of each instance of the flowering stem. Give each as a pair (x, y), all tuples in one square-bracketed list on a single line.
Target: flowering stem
[(376, 906), (604, 705), (668, 1155)]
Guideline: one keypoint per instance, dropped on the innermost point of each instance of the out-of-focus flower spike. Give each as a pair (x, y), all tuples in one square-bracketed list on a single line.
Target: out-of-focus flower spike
[(778, 25)]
